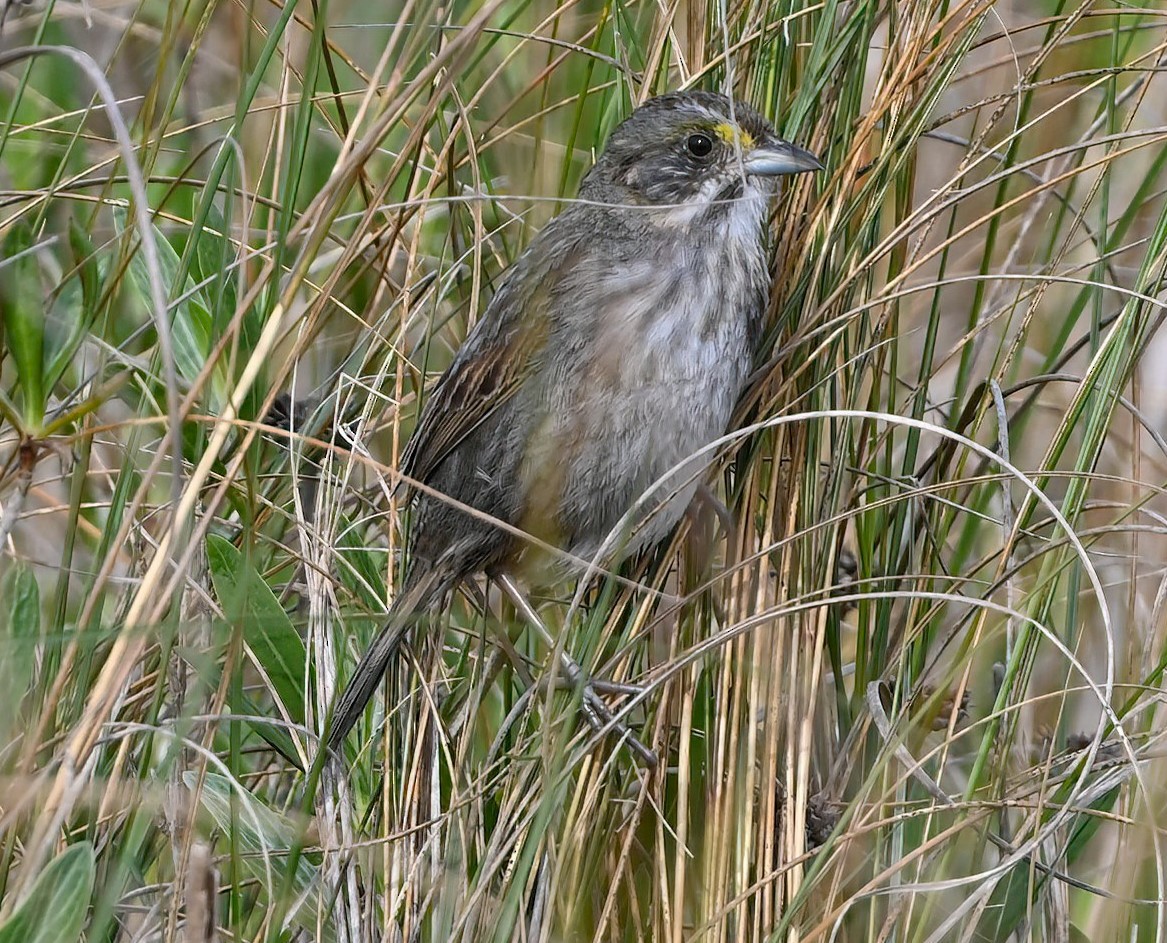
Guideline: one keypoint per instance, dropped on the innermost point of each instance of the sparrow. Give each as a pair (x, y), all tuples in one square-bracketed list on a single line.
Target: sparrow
[(613, 351)]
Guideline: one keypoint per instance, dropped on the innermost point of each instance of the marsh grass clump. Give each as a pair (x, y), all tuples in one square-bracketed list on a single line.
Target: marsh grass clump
[(905, 686)]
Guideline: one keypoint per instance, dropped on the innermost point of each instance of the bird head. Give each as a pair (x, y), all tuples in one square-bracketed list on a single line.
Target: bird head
[(687, 148)]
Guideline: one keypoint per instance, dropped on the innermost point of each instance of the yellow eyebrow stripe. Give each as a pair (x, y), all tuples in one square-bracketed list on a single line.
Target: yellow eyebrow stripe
[(733, 135)]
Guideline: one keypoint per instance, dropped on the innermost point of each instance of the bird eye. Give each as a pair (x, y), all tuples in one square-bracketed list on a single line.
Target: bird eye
[(699, 145)]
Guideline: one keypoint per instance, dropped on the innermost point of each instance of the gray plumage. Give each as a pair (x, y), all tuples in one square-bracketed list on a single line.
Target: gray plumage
[(614, 350)]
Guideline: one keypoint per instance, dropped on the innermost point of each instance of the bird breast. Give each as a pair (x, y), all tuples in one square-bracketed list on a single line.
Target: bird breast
[(669, 344)]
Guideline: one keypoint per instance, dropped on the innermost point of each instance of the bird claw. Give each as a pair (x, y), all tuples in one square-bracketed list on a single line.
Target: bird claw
[(595, 711), (617, 688), (598, 715), (601, 720)]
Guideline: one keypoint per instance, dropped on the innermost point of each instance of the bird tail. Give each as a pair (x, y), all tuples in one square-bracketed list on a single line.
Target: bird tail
[(415, 599)]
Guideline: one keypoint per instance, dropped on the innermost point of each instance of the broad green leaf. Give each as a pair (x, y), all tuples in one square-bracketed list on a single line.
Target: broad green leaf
[(76, 307), (87, 268), (20, 623), (249, 604), (190, 318), (55, 909), (364, 572), (213, 255), (275, 733), (22, 306), (1013, 898), (264, 836)]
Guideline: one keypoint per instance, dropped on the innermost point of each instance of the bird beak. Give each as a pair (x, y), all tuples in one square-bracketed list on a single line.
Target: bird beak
[(779, 157)]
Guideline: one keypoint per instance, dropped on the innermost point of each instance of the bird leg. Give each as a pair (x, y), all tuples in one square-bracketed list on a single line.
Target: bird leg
[(705, 498), (595, 710)]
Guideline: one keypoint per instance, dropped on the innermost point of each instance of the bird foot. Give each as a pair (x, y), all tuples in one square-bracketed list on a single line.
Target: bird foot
[(602, 720), (595, 711), (617, 688)]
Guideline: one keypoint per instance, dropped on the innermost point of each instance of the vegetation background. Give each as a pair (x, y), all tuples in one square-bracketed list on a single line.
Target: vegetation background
[(912, 696)]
